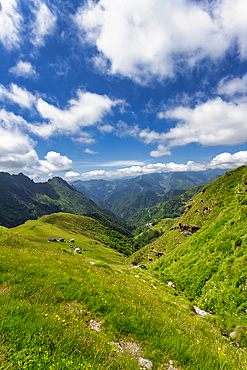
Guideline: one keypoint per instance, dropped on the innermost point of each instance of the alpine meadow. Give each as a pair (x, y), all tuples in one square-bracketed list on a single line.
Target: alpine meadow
[(179, 302), (123, 185)]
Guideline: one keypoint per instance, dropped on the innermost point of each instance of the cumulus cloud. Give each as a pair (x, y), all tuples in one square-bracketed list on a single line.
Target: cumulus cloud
[(44, 24), (23, 69), (209, 124), (54, 162), (71, 175), (142, 39), (17, 151), (10, 24), (161, 150), (222, 161), (89, 151), (87, 110), (231, 86), (17, 95)]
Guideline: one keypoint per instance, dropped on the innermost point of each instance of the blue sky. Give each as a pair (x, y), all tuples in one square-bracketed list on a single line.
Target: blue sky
[(108, 89)]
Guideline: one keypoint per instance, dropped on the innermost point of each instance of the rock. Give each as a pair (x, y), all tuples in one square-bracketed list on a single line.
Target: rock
[(92, 263), (171, 285), (137, 276), (233, 334), (84, 250), (94, 325), (73, 246), (71, 240), (145, 362), (61, 240), (201, 312), (77, 250), (52, 240), (117, 346)]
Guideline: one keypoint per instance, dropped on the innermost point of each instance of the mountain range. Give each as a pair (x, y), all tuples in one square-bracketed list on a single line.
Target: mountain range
[(22, 199), (110, 191)]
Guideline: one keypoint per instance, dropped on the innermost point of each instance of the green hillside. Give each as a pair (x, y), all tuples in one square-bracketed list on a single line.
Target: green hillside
[(65, 311), (169, 208), (204, 252), (91, 231), (21, 199)]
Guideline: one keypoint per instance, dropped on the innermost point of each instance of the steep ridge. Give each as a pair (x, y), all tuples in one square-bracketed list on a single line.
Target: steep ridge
[(22, 199), (204, 253)]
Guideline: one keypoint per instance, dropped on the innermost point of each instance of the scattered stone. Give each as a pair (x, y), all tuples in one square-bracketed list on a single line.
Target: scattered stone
[(132, 348), (201, 312), (116, 345), (52, 240), (61, 240), (92, 263), (171, 285), (84, 250), (137, 276), (73, 246), (187, 233), (95, 325), (233, 334), (71, 240), (145, 362), (150, 259), (77, 250), (171, 367)]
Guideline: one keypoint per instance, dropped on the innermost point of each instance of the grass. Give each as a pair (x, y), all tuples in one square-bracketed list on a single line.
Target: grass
[(49, 295)]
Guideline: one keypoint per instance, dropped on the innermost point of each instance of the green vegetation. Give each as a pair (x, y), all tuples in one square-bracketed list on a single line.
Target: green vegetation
[(170, 208), (63, 310), (111, 223), (209, 266), (49, 297), (22, 199), (86, 231)]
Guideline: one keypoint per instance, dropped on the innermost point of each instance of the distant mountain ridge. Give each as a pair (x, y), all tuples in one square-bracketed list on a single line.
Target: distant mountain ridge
[(22, 199), (110, 191)]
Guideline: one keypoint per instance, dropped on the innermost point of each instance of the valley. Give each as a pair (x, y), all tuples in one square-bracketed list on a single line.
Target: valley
[(125, 299)]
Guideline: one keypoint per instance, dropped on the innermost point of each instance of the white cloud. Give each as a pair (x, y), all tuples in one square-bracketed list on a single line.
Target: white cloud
[(222, 161), (122, 163), (105, 129), (231, 86), (23, 69), (84, 138), (54, 162), (143, 38), (44, 24), (10, 24), (89, 151), (161, 150), (17, 95), (87, 110), (215, 122), (123, 130), (71, 175), (17, 149)]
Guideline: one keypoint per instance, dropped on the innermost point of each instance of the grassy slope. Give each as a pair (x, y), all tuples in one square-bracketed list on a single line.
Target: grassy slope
[(86, 231), (49, 295), (210, 266)]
